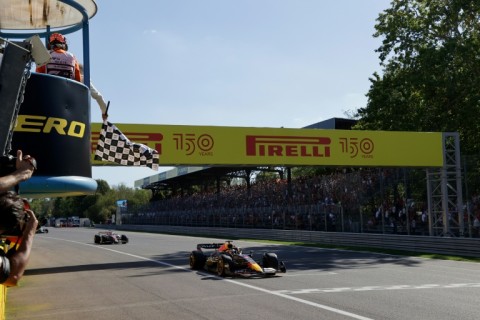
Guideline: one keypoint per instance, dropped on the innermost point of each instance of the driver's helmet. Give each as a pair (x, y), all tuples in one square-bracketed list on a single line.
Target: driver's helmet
[(233, 249), (226, 247)]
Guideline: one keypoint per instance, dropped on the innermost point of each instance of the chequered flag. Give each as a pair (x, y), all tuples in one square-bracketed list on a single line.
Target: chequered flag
[(115, 147)]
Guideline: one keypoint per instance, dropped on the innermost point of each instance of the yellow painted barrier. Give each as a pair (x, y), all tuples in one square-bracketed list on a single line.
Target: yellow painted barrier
[(3, 292), (3, 301), (3, 289)]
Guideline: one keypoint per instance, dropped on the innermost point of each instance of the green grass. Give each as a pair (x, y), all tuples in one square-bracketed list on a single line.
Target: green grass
[(368, 249)]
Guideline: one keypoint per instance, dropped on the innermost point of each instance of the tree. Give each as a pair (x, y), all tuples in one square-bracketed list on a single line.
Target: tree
[(102, 186), (431, 70), (98, 208), (63, 207), (43, 209)]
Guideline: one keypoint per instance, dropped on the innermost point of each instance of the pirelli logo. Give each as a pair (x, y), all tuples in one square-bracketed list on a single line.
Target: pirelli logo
[(287, 146), (49, 125)]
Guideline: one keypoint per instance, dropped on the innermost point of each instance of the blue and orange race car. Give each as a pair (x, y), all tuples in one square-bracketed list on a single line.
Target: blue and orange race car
[(227, 259)]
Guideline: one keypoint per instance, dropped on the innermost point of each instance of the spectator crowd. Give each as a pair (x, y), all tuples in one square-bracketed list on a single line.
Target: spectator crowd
[(358, 201)]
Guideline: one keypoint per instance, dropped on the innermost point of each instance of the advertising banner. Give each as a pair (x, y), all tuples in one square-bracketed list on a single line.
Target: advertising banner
[(53, 126), (227, 146)]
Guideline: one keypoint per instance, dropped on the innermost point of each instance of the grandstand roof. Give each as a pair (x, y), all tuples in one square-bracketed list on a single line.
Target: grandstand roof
[(333, 123), (181, 177)]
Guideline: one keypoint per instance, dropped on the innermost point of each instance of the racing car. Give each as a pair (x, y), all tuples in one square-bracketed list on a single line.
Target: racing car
[(42, 230), (228, 260), (110, 237)]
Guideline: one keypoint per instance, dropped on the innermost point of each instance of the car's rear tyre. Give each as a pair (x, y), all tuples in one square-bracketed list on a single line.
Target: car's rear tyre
[(124, 239), (197, 260), (97, 239)]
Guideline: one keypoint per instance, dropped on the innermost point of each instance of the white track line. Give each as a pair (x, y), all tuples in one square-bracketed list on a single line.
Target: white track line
[(274, 293)]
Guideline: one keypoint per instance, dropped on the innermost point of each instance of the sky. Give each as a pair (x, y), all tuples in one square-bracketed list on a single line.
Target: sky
[(249, 63)]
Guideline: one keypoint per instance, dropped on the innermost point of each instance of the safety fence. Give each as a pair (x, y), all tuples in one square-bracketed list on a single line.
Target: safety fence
[(468, 247)]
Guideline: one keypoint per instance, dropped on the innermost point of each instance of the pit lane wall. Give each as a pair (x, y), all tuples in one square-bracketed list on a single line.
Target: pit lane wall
[(467, 247)]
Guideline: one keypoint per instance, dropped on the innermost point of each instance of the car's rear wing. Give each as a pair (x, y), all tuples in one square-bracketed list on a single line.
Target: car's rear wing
[(201, 246)]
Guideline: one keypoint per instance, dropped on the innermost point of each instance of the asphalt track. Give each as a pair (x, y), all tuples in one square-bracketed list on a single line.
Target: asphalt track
[(69, 277)]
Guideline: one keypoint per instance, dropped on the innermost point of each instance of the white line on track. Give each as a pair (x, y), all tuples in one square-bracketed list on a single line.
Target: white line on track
[(376, 288), (310, 303), (274, 293)]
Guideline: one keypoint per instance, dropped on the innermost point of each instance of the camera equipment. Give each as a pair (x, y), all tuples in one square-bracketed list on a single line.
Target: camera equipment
[(7, 165)]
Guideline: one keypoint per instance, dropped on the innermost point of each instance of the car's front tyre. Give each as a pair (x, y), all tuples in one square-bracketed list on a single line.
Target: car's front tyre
[(221, 267), (224, 265), (270, 260)]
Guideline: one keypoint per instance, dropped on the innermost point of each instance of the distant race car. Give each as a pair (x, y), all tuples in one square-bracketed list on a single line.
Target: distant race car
[(42, 230), (228, 260), (110, 237)]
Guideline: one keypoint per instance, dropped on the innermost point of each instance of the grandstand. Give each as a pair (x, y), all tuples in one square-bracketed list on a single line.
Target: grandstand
[(389, 163)]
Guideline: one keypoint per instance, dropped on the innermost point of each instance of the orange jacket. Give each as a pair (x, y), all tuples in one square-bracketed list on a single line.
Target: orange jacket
[(63, 64)]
